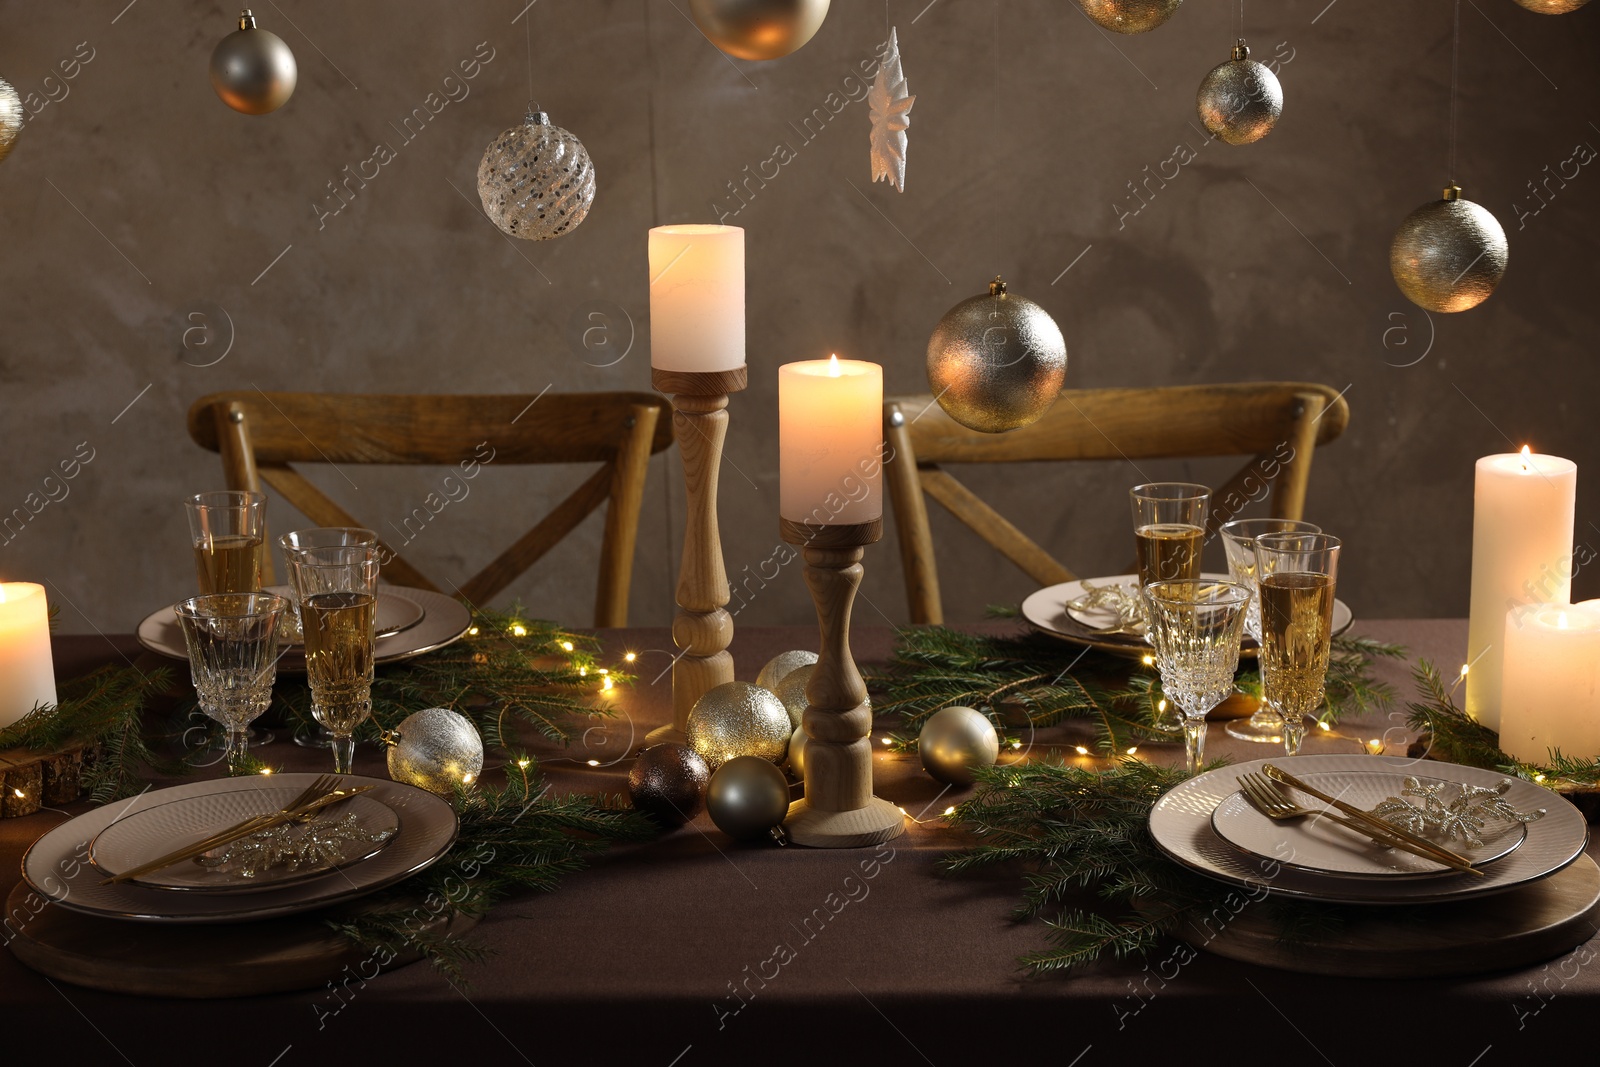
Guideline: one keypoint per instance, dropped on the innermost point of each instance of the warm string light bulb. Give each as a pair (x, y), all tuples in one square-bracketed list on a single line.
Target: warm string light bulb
[(520, 630)]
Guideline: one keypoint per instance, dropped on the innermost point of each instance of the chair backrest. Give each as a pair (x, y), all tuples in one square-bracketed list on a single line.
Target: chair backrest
[(1278, 424), (260, 434)]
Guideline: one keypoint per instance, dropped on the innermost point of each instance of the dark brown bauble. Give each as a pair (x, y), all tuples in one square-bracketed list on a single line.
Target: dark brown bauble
[(668, 783)]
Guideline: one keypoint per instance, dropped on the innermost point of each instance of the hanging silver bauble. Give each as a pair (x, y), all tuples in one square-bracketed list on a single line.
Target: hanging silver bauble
[(11, 117), (747, 797), (253, 70), (1552, 7), (536, 180), (738, 719), (1449, 255), (759, 29), (796, 760), (996, 362), (955, 741), (779, 666), (436, 749), (1129, 16), (668, 783), (1240, 100)]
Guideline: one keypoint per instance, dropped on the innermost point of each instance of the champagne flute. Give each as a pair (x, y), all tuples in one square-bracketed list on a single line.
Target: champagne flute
[(226, 529), (1297, 573), (338, 586), (1239, 541), (1196, 626), (232, 640), (1169, 529)]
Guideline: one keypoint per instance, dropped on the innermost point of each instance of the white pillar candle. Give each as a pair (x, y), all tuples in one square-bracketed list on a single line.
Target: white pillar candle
[(830, 441), (697, 298), (1522, 523), (1550, 696), (27, 673)]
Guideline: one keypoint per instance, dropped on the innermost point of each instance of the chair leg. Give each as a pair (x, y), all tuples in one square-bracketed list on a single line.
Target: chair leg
[(629, 471)]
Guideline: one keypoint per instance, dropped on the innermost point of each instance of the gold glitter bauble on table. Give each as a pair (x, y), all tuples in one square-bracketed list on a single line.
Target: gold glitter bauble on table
[(779, 666), (536, 180), (738, 719), (796, 760), (1449, 255), (996, 362), (747, 797), (11, 117), (1552, 7), (759, 29), (668, 783), (435, 749), (1240, 100), (956, 740), (1130, 16), (253, 70)]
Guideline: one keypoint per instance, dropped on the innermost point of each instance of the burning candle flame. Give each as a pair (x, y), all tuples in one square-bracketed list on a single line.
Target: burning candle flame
[(833, 366), (1526, 452)]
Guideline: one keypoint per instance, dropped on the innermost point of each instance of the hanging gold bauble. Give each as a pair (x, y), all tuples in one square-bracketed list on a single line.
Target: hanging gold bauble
[(1240, 100), (1449, 255), (11, 116), (1129, 16), (253, 70), (759, 29), (1552, 7), (996, 362)]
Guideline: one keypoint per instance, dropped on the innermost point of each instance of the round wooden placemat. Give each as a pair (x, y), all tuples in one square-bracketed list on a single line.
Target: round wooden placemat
[(1528, 925), (196, 961)]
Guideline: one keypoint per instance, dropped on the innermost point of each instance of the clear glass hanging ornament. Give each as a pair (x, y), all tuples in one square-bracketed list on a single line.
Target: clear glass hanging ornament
[(536, 180)]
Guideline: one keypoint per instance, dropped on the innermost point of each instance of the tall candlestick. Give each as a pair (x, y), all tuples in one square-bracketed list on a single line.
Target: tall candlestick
[(27, 673), (830, 441), (1550, 696), (697, 355), (1522, 524)]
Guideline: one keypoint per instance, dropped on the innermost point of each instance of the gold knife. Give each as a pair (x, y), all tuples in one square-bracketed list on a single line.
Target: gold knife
[(1277, 774)]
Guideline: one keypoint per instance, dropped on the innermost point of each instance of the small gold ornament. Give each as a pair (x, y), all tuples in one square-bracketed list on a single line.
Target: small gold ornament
[(779, 666), (668, 783), (956, 740), (792, 692), (1130, 16), (797, 752), (252, 70), (1449, 255), (759, 29), (1552, 7), (747, 797), (996, 362), (738, 719), (437, 750), (1240, 100), (11, 117)]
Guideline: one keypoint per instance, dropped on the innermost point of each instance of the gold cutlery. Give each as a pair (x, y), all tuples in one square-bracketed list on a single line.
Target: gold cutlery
[(1443, 855), (1270, 801)]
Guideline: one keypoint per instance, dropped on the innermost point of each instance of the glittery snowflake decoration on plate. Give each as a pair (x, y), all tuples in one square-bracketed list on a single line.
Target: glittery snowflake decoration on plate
[(890, 105), (320, 844), (1463, 817)]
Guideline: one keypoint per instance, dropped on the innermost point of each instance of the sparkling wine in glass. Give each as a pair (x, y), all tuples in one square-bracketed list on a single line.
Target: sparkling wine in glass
[(338, 599), (227, 530), (1196, 626), (1169, 528), (1298, 574), (1239, 541)]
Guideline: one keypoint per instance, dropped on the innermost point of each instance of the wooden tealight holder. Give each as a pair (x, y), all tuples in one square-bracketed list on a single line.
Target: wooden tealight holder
[(703, 629), (839, 810)]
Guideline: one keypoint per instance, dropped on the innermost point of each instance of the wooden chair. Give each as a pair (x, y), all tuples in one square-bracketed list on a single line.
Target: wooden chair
[(260, 434), (1279, 424)]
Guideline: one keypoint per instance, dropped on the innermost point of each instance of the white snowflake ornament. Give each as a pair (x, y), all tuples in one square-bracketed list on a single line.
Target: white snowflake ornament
[(1462, 817), (890, 105)]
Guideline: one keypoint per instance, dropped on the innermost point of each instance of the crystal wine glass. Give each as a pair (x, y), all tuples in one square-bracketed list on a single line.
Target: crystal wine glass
[(1297, 574), (226, 529), (1196, 626), (338, 589), (1239, 541), (1169, 529), (232, 640), (293, 544)]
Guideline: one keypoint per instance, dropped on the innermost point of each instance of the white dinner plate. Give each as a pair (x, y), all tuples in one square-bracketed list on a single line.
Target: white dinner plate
[(1326, 847), (1180, 824), (444, 619), (58, 867), (1046, 609), (155, 831)]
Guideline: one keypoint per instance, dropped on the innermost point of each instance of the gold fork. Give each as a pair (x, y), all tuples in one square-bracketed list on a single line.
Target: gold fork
[(1270, 801)]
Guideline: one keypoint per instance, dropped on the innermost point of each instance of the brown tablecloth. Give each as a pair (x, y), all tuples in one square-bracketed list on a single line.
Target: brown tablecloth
[(665, 953)]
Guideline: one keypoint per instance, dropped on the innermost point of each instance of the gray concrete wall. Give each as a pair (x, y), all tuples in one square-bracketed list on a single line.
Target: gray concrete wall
[(135, 201)]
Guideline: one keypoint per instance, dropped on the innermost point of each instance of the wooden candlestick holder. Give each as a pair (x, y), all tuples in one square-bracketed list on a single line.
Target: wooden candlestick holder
[(839, 810), (703, 628)]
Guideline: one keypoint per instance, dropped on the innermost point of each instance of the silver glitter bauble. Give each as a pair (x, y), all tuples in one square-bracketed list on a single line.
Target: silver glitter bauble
[(747, 797), (792, 692), (1552, 7), (11, 117), (954, 742), (759, 29), (797, 752), (436, 749), (252, 70), (536, 180), (738, 719), (1449, 255), (996, 362), (1129, 16), (668, 783), (779, 666), (1240, 100)]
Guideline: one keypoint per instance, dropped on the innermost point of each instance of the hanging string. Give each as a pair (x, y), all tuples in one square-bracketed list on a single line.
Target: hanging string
[(527, 25), (1455, 66), (1240, 34)]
